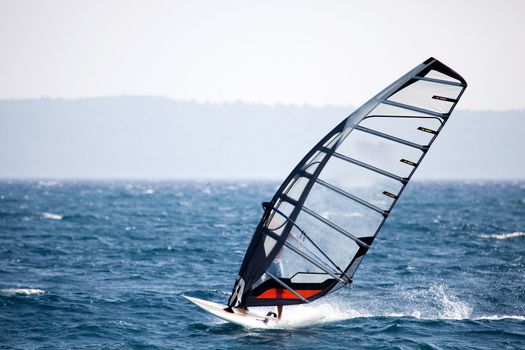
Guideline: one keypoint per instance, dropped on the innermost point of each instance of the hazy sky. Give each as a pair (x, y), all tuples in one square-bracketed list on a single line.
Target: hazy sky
[(313, 52), (335, 53)]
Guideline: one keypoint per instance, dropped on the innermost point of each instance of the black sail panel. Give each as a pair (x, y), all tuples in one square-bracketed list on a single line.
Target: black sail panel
[(322, 220)]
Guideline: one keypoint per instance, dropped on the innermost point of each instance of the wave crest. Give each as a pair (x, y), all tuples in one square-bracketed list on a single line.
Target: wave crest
[(501, 317), (503, 235), (52, 216), (22, 291)]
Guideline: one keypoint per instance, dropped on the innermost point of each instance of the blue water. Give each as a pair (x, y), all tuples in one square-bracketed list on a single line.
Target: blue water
[(89, 265)]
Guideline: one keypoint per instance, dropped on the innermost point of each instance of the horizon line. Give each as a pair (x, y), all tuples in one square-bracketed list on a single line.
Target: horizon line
[(217, 102), (198, 179)]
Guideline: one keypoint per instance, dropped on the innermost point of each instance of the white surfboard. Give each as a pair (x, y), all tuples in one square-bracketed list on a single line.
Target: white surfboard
[(248, 319)]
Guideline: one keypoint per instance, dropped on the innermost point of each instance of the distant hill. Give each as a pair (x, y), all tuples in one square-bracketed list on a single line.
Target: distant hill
[(149, 137)]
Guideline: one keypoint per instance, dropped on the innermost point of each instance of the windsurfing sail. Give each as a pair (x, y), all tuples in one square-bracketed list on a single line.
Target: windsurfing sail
[(322, 220)]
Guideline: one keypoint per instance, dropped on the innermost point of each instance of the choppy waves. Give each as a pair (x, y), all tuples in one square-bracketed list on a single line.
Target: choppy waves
[(103, 265)]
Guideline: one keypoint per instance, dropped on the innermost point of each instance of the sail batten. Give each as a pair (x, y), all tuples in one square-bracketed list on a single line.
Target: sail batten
[(389, 137), (335, 227), (313, 262), (413, 108), (319, 225), (327, 222), (351, 196), (370, 167), (304, 234), (440, 81)]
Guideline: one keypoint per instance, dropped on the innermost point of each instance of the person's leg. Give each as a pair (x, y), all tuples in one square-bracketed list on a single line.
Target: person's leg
[(279, 311)]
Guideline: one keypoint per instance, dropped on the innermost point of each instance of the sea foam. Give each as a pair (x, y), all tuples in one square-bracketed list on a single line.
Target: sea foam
[(501, 317), (52, 216), (22, 291), (434, 302), (503, 235)]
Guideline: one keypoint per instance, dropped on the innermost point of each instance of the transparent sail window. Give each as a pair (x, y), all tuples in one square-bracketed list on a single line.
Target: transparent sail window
[(332, 141), (417, 130), (389, 110), (337, 247), (297, 189), (379, 152), (351, 270), (288, 263), (310, 169), (269, 244), (428, 95), (355, 218), (316, 158), (302, 277), (278, 221), (361, 182)]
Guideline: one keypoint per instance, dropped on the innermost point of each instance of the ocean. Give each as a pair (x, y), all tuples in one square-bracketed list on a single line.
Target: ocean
[(104, 265)]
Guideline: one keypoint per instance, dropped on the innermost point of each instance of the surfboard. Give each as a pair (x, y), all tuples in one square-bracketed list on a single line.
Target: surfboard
[(247, 319)]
